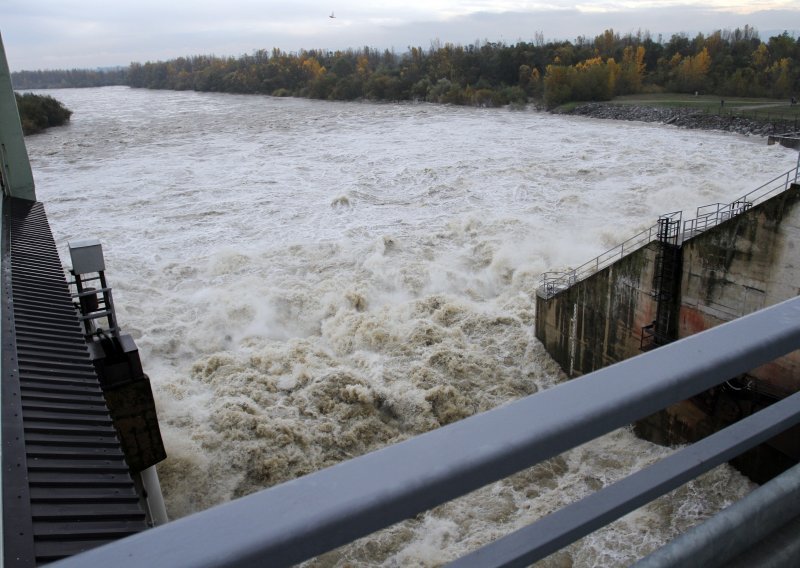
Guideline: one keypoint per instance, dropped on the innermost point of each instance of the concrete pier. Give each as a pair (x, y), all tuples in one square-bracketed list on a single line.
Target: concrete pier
[(742, 264), (788, 139)]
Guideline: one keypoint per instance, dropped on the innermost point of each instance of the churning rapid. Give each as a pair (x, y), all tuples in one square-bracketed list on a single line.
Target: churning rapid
[(308, 281)]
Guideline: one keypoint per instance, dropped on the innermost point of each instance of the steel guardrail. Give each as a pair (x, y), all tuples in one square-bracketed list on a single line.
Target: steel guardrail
[(308, 516), (576, 520)]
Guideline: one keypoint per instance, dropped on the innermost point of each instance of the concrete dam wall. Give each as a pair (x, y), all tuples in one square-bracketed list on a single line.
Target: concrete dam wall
[(665, 291)]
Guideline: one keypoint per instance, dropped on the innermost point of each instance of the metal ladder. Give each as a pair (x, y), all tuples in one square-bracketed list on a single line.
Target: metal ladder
[(666, 277)]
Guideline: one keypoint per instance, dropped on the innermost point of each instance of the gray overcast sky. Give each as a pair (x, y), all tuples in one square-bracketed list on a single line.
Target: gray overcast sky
[(59, 34)]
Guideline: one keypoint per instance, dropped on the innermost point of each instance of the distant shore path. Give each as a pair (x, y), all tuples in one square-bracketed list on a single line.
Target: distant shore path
[(679, 116)]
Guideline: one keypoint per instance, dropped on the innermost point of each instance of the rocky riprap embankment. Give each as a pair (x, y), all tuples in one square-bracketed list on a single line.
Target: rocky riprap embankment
[(683, 117)]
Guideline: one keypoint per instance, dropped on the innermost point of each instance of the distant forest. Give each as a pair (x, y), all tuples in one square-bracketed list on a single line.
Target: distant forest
[(69, 79), (725, 63)]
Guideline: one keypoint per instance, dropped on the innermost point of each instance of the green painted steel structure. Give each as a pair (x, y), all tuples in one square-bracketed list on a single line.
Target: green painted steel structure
[(16, 178)]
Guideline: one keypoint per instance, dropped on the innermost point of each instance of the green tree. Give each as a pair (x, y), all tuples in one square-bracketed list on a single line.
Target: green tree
[(558, 81), (38, 112)]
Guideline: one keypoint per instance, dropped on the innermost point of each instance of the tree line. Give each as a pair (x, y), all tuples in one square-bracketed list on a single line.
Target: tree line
[(726, 63), (67, 79)]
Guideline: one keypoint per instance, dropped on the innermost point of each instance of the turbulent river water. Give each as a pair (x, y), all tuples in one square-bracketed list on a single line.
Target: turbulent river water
[(308, 281)]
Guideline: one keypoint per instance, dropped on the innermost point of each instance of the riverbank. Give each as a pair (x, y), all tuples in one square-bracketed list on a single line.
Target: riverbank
[(677, 116)]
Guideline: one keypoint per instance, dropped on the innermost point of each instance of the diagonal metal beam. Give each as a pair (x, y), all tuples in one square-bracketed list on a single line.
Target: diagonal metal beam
[(551, 533)]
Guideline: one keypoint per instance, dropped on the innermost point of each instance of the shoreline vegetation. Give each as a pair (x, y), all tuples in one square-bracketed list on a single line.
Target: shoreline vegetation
[(750, 117), (39, 112), (635, 71)]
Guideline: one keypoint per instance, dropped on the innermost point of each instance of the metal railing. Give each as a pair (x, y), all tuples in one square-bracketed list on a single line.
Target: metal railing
[(708, 216), (556, 281), (713, 214), (303, 518), (759, 530)]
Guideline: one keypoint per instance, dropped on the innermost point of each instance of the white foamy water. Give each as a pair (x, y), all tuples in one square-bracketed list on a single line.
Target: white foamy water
[(308, 281)]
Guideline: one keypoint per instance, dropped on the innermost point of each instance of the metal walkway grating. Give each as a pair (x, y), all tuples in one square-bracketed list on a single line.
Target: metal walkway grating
[(66, 486)]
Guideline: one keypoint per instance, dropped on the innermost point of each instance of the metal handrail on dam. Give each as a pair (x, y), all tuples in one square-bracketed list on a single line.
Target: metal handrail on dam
[(707, 216), (303, 518), (711, 215), (553, 282)]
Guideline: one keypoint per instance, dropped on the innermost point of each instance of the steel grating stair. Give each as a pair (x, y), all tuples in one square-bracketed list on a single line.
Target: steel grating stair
[(66, 485)]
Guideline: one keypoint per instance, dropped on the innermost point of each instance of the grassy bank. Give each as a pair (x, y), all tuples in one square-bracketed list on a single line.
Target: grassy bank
[(753, 108)]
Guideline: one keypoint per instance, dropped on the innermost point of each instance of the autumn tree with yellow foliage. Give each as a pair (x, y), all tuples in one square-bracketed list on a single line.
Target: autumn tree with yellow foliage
[(631, 70), (595, 78), (690, 74)]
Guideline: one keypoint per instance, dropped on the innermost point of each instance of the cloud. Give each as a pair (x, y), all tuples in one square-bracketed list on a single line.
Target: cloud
[(91, 33), (569, 24)]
